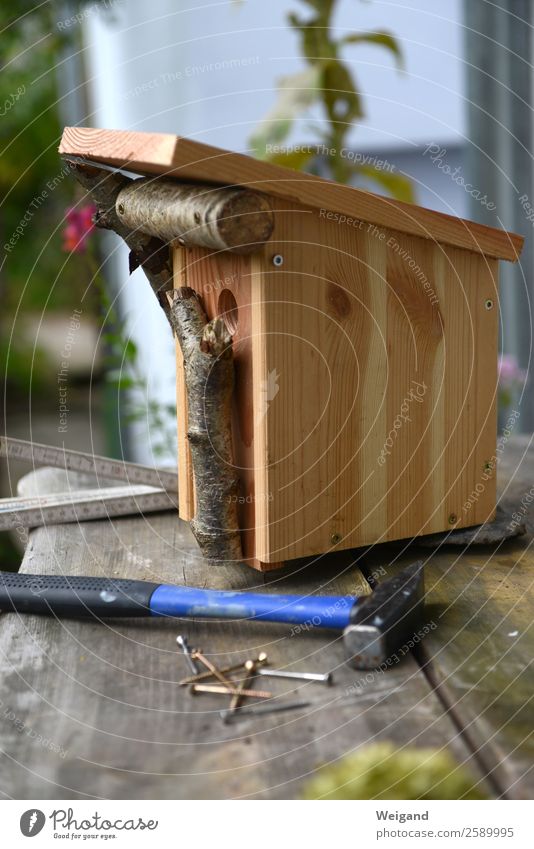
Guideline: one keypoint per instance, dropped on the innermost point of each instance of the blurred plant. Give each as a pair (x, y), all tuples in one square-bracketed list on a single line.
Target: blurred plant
[(78, 228), (511, 379), (381, 771), (328, 82), (123, 371), (33, 184)]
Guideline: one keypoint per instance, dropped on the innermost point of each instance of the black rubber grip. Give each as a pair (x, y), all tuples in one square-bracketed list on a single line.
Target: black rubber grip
[(77, 597)]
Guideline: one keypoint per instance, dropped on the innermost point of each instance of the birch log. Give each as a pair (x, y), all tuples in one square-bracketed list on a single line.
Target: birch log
[(209, 377), (209, 372), (221, 218), (146, 251)]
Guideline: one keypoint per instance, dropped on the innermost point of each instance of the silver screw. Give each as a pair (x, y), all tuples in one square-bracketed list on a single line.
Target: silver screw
[(318, 677), (278, 260), (335, 538), (489, 304), (182, 642), (221, 689)]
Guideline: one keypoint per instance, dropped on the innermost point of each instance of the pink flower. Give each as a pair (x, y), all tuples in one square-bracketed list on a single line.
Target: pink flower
[(509, 372), (78, 227)]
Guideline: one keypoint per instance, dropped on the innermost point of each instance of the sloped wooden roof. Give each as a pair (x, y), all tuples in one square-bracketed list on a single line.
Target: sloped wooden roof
[(174, 156)]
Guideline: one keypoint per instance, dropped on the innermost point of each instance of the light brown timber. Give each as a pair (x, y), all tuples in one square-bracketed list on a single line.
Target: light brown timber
[(168, 155)]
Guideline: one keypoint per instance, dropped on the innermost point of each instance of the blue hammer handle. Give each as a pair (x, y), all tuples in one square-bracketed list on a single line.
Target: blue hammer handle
[(66, 595), (322, 611)]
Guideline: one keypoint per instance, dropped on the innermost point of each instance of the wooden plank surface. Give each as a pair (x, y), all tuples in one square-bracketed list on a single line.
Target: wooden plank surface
[(224, 278), (384, 416), (94, 711), (480, 657), (169, 155)]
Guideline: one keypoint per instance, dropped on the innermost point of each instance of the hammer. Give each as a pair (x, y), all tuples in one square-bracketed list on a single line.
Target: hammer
[(373, 626)]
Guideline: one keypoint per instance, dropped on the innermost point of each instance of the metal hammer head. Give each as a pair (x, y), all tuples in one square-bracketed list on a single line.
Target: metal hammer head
[(382, 622)]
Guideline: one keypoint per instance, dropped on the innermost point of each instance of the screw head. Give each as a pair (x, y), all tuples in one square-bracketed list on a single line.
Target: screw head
[(488, 304), (453, 518), (278, 260), (335, 538), (488, 467), (120, 209)]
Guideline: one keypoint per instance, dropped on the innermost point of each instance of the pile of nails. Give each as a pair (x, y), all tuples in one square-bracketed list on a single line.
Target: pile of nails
[(238, 690)]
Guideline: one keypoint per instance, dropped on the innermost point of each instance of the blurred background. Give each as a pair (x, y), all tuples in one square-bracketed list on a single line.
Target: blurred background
[(421, 100)]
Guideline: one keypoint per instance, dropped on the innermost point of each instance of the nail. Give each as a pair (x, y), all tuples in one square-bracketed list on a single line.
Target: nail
[(197, 655), (182, 642), (250, 671), (232, 691), (318, 677), (192, 679), (202, 676)]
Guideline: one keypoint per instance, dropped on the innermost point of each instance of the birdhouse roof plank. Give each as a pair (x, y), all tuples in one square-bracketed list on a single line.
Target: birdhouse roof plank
[(184, 159)]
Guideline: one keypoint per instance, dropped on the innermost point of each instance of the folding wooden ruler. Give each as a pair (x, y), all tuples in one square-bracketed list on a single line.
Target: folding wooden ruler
[(147, 489)]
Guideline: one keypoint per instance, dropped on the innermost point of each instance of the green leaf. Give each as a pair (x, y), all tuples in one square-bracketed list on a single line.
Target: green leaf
[(381, 39), (315, 39), (130, 350), (296, 159), (398, 186), (296, 94), (341, 99), (122, 382)]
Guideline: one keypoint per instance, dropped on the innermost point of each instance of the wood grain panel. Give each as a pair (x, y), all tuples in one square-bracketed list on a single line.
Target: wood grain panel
[(415, 336), (371, 523), (153, 153), (471, 283), (321, 340), (211, 274), (385, 358)]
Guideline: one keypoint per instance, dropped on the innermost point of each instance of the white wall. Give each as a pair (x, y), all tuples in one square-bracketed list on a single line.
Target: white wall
[(209, 71)]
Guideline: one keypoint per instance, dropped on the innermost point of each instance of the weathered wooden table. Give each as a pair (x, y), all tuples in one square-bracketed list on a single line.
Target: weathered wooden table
[(90, 710)]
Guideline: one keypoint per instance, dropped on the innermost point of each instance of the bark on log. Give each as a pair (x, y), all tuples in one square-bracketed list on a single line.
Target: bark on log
[(209, 372), (209, 377), (232, 219), (145, 251)]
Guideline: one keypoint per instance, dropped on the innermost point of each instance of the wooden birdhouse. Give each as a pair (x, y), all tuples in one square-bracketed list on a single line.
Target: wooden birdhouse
[(364, 336)]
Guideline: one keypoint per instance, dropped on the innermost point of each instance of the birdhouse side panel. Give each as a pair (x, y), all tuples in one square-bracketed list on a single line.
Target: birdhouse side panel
[(375, 386), (443, 327), (223, 281)]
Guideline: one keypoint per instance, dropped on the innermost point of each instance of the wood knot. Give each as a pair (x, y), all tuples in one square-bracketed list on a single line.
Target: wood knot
[(338, 301)]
